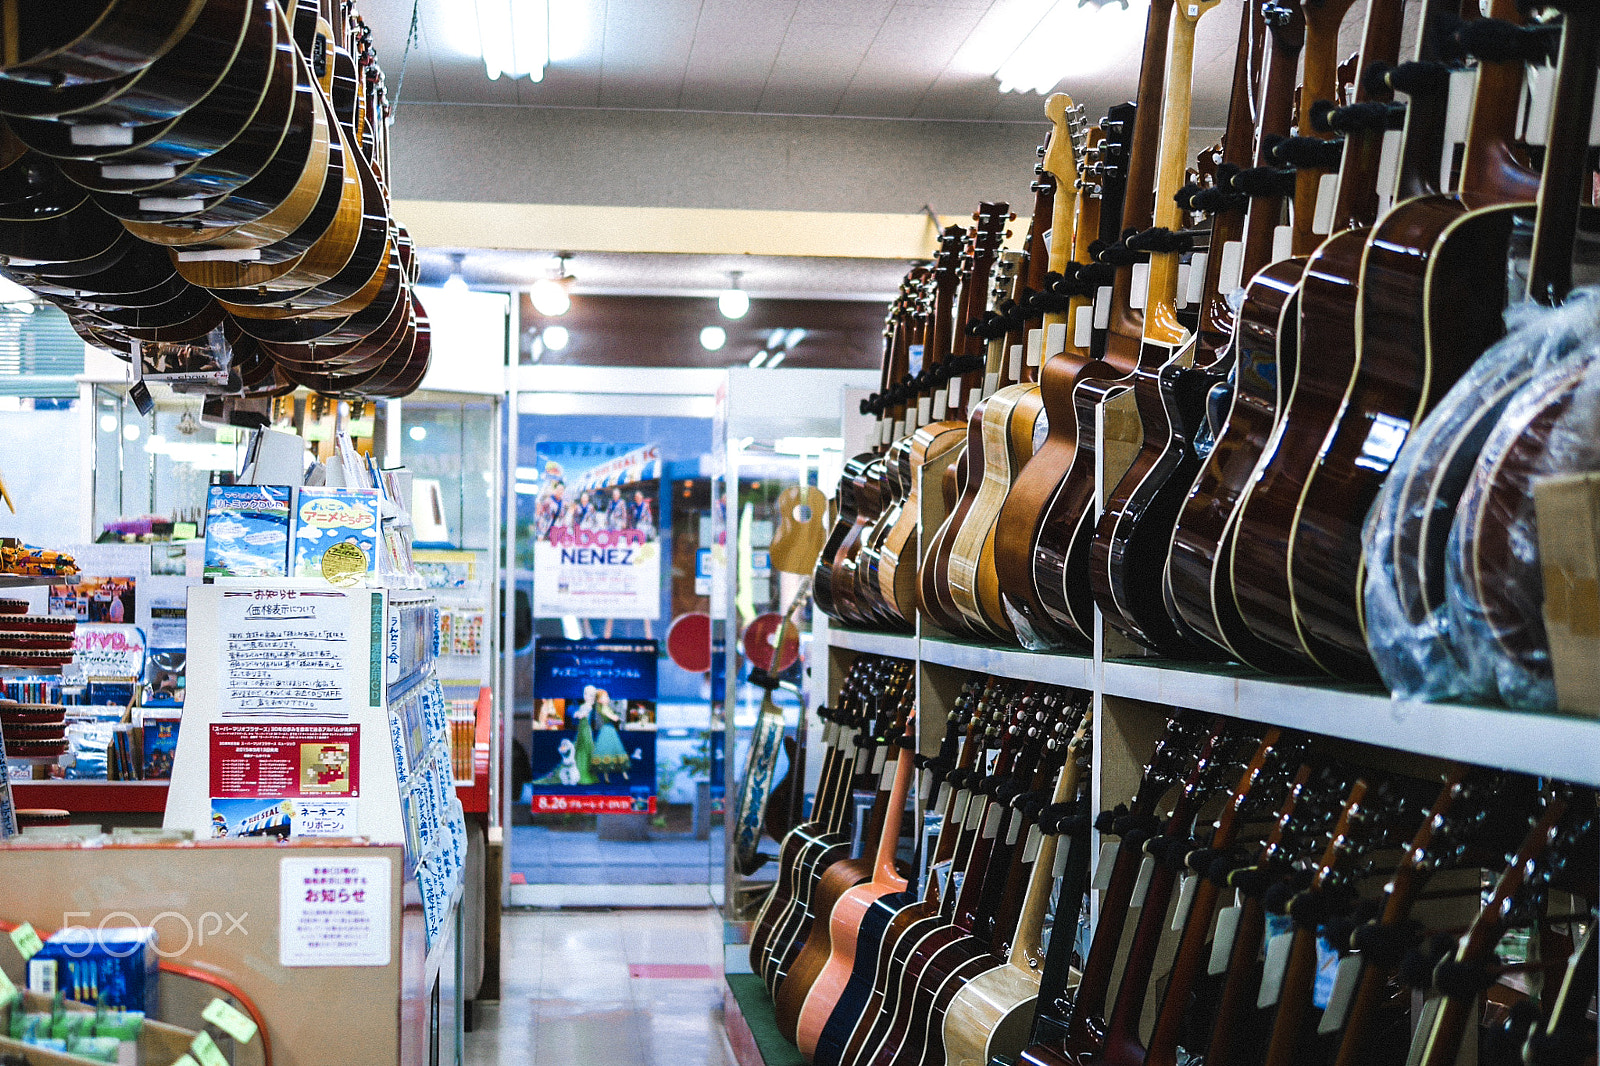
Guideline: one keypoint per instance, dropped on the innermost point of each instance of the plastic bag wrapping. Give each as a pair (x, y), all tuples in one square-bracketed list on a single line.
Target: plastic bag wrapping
[(1408, 625), (1494, 585)]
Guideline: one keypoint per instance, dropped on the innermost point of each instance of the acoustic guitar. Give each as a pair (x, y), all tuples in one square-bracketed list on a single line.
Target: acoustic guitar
[(1430, 305), (802, 528), (1129, 532)]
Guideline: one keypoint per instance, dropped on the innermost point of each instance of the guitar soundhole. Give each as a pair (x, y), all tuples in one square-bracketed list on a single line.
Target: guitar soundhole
[(802, 513)]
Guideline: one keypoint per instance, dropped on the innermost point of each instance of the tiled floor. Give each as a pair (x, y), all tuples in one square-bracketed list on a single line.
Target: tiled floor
[(569, 996), (544, 856)]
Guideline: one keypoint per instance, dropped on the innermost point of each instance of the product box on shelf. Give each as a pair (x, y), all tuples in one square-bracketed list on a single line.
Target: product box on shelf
[(1569, 555), (336, 535), (116, 966), (247, 530)]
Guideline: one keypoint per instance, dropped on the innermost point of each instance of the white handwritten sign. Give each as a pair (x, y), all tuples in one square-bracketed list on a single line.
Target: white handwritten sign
[(286, 655)]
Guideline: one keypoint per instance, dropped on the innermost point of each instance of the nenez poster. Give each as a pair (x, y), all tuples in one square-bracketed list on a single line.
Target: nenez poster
[(597, 550), (594, 727)]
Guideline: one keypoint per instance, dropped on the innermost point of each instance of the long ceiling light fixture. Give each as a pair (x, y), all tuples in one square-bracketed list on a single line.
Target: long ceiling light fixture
[(1030, 45), (515, 37)]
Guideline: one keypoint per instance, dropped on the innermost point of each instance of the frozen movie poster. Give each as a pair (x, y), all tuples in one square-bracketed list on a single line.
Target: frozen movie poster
[(594, 727), (597, 544)]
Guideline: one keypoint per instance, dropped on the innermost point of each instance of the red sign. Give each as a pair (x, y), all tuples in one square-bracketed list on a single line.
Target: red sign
[(285, 761), (591, 805)]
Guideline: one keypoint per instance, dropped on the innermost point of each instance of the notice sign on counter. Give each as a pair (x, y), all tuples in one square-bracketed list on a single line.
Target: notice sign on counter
[(284, 780), (333, 912), (287, 655)]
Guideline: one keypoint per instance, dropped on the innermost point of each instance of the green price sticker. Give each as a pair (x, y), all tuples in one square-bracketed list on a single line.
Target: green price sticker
[(230, 1019), (27, 941), (205, 1051), (8, 991)]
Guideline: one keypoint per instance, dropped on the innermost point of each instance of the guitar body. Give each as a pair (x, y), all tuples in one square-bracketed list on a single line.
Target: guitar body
[(851, 1007), (844, 521), (801, 975), (802, 529), (780, 901), (897, 568), (1024, 434), (943, 980), (790, 937), (869, 565), (1135, 526), (925, 968), (1200, 571), (1061, 548), (1447, 300), (848, 929), (905, 933), (936, 599), (842, 574), (968, 558), (991, 1015)]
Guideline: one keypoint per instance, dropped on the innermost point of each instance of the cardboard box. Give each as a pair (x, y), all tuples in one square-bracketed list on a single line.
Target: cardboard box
[(1569, 556)]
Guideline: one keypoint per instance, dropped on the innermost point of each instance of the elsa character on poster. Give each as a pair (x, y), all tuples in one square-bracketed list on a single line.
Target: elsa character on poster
[(610, 754)]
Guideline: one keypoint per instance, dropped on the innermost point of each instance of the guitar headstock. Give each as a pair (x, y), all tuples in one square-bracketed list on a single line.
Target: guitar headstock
[(989, 231), (947, 260), (1286, 22), (1068, 136)]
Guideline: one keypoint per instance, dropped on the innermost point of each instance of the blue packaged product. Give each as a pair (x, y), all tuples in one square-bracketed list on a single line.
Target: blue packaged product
[(336, 535), (116, 966), (247, 531)]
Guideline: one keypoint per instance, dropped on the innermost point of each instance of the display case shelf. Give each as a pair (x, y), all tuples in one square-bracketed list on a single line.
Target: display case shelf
[(900, 645), (30, 581), (1072, 669)]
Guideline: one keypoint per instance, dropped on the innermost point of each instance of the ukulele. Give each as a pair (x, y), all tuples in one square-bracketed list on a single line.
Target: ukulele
[(991, 1014), (848, 915), (835, 881), (1129, 533), (860, 1000), (1430, 305), (885, 1023)]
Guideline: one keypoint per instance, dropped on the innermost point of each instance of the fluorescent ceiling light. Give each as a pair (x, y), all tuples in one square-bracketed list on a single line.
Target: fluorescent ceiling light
[(419, 432), (712, 338), (550, 298), (515, 37), (527, 473), (757, 360), (525, 489), (556, 338), (1030, 45), (734, 301), (777, 358)]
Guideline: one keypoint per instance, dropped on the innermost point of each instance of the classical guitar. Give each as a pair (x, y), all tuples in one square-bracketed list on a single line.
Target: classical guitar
[(1430, 305), (992, 1014), (1128, 539)]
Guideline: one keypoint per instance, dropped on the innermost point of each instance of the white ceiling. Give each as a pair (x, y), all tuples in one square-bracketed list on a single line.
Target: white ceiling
[(922, 59)]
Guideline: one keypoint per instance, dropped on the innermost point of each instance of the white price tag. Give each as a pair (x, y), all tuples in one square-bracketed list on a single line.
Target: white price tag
[(990, 383), (1083, 327), (1222, 943), (878, 758), (1186, 891), (1345, 980), (1282, 242), (1197, 278), (975, 811), (991, 821), (1035, 348), (1278, 949), (1014, 369), (1388, 169), (1141, 887), (924, 409), (1064, 848), (1014, 828), (1327, 194), (886, 778), (1103, 865), (1232, 269), (1102, 307), (958, 811), (1055, 340), (1181, 291), (939, 406), (1030, 850), (1141, 286), (943, 806)]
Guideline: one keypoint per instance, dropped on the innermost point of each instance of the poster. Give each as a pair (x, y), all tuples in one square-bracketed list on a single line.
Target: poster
[(287, 654), (597, 550), (284, 780), (109, 651), (333, 912), (593, 745), (95, 599)]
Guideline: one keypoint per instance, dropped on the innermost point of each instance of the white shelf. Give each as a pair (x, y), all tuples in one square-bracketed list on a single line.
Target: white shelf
[(900, 645), (1554, 745), (29, 581), (1071, 669)]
